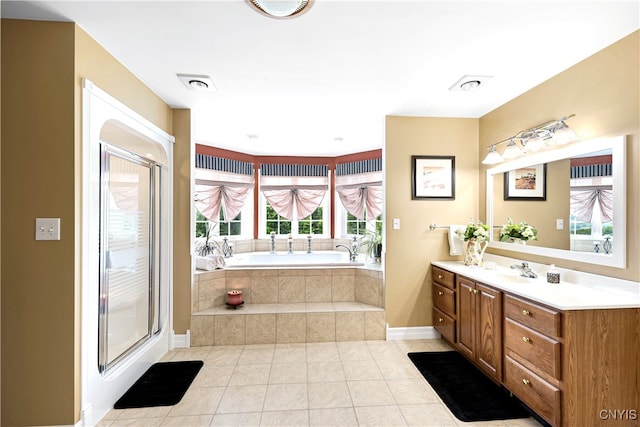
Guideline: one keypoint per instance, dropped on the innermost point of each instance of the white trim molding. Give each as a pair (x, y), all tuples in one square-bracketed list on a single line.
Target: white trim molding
[(181, 340), (412, 333)]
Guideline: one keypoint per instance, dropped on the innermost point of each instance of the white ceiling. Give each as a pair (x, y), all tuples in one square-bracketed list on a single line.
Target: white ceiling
[(335, 72)]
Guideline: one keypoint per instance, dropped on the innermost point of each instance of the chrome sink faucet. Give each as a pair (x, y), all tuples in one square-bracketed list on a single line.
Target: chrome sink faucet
[(525, 270)]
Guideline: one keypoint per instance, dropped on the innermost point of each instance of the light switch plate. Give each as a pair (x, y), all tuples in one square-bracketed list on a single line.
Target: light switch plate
[(47, 228), (396, 223), (559, 224)]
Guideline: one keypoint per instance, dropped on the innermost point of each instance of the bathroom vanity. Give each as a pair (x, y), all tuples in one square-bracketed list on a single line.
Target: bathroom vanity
[(570, 351)]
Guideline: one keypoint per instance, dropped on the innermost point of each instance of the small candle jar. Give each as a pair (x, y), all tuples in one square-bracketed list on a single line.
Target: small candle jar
[(234, 297)]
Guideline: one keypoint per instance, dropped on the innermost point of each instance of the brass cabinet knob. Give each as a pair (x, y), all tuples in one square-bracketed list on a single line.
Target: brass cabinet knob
[(440, 276), (526, 381), (525, 312), (475, 291), (526, 339), (440, 293), (440, 319), (471, 289)]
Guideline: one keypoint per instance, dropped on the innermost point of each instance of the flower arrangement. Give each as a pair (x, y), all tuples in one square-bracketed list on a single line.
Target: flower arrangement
[(522, 231), (478, 231)]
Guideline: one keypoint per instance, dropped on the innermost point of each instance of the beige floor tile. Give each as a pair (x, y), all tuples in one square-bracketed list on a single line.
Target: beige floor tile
[(361, 370), (289, 373), (142, 422), (198, 401), (412, 391), (243, 398), (154, 412), (322, 352), (329, 395), (250, 374), (257, 354), (370, 393), (223, 355), (285, 418), (188, 420), (325, 371), (285, 397), (354, 350), (428, 415), (243, 419), (332, 417), (213, 376), (380, 416), (290, 353)]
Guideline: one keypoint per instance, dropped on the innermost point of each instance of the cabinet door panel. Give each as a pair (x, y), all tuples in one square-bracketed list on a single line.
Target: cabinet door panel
[(489, 321), (466, 316)]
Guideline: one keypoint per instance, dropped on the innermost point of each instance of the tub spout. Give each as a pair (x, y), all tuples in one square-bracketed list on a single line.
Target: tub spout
[(352, 254)]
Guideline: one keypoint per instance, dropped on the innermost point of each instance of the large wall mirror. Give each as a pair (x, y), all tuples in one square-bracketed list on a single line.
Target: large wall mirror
[(575, 196)]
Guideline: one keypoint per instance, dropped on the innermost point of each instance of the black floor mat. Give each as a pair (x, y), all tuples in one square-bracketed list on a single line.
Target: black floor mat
[(466, 391), (163, 384)]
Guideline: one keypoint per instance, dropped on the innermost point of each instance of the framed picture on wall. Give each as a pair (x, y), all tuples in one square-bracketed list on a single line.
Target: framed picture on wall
[(433, 177), (526, 183)]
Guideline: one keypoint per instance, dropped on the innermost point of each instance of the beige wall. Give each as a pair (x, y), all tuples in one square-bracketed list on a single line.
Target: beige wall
[(604, 93), (42, 67), (410, 250), (183, 153)]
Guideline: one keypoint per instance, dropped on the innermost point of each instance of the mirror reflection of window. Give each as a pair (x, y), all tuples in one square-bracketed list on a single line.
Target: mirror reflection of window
[(592, 202)]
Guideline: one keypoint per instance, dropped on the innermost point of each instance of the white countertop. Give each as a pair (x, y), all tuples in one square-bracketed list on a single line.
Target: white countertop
[(576, 290)]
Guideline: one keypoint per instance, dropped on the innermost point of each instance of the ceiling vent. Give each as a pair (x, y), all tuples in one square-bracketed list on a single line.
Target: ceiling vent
[(197, 82)]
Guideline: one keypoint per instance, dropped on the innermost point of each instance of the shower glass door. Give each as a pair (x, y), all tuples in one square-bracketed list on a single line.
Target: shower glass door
[(129, 277)]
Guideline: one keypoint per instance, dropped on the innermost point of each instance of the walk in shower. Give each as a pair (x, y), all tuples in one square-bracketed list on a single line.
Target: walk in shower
[(126, 241)]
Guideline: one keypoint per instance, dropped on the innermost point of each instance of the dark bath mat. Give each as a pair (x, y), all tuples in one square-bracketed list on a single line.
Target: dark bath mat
[(163, 384), (466, 391)]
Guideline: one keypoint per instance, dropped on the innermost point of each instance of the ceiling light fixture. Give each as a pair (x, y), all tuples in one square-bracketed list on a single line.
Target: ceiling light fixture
[(549, 134), (197, 82), (281, 8)]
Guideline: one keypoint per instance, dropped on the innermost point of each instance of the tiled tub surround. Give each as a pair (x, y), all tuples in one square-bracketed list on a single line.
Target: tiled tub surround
[(288, 305)]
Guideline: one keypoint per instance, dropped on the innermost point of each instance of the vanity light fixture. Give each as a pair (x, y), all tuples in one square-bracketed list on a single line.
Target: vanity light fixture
[(538, 138), (281, 8)]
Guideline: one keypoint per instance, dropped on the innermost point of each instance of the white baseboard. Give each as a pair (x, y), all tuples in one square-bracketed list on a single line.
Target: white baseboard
[(412, 333), (181, 340)]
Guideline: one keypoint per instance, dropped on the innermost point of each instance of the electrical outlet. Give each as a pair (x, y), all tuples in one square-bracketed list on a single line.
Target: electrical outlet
[(47, 228), (559, 224)]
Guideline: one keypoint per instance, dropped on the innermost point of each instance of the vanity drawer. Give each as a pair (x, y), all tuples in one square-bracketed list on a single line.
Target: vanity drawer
[(532, 315), (443, 277), (444, 299), (539, 395), (445, 325), (536, 351)]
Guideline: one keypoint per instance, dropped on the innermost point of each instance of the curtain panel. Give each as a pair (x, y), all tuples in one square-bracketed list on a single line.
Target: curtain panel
[(215, 190), (361, 194), (583, 202)]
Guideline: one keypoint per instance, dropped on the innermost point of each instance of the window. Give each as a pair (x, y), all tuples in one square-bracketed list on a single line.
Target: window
[(220, 228), (358, 226), (276, 223), (311, 224)]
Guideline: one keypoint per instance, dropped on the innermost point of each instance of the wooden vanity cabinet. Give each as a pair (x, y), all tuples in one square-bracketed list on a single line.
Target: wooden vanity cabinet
[(572, 367), (479, 325), (444, 303), (533, 356)]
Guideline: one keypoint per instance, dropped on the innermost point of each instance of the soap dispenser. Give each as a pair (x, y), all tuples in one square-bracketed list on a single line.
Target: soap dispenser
[(553, 275)]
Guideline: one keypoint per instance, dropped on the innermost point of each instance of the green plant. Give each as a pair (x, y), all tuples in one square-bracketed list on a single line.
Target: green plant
[(370, 243), (522, 231), (478, 231)]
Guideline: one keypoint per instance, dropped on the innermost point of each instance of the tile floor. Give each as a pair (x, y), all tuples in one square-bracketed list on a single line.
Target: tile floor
[(370, 383)]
